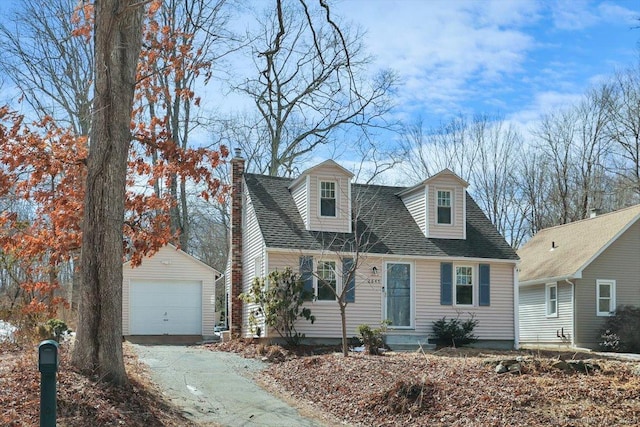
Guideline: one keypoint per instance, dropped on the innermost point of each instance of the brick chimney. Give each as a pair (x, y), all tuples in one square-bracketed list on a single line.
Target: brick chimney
[(237, 170)]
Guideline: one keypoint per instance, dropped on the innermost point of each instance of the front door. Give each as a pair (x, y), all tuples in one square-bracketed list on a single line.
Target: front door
[(398, 294)]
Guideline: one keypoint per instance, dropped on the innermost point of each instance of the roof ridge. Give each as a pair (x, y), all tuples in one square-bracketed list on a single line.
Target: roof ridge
[(579, 221)]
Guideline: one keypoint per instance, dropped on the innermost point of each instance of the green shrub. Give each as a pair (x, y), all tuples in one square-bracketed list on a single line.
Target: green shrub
[(621, 332), (55, 328), (278, 304), (454, 332), (372, 339)]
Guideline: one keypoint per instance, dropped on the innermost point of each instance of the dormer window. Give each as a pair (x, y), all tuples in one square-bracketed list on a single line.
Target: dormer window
[(444, 207), (327, 198)]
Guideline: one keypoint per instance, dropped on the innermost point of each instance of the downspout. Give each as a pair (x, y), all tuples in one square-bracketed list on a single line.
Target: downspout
[(573, 312), (516, 309)]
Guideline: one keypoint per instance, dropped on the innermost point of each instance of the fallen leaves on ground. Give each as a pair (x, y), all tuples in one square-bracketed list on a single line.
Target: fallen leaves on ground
[(81, 400), (458, 388)]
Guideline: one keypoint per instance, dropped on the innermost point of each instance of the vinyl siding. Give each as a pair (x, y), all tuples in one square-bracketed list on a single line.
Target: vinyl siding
[(169, 264), (253, 247), (342, 221), (535, 327), (495, 322), (367, 307), (445, 231), (299, 194), (619, 262), (416, 205)]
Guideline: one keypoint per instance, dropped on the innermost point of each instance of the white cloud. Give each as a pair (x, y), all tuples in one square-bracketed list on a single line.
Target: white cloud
[(441, 48), (573, 15), (543, 103)]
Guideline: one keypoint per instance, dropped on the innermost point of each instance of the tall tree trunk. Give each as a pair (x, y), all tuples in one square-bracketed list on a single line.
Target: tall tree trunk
[(118, 38)]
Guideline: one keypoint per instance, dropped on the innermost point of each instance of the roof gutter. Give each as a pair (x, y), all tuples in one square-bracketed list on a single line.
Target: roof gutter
[(576, 275), (330, 252)]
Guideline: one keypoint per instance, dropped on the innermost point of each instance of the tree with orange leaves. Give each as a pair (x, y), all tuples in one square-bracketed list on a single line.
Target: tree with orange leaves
[(47, 168), (107, 202)]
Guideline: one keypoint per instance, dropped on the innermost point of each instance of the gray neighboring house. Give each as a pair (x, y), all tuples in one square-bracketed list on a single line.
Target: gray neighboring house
[(424, 252), (573, 276)]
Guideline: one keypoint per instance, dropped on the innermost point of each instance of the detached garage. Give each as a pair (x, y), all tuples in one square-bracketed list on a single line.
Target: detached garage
[(171, 293)]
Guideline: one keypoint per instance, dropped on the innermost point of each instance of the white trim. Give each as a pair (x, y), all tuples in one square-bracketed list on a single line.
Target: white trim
[(452, 197), (464, 214), (445, 171), (550, 279), (516, 309), (398, 257), (474, 288), (184, 254), (573, 312), (426, 214), (391, 256), (257, 266), (612, 297), (349, 210), (316, 286), (319, 165), (412, 302), (308, 196), (547, 299), (606, 245), (336, 197)]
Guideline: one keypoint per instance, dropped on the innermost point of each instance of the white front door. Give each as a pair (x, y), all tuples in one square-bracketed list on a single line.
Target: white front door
[(398, 294)]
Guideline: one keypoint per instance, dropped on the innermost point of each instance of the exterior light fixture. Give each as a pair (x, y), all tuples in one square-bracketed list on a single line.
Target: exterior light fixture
[(374, 270)]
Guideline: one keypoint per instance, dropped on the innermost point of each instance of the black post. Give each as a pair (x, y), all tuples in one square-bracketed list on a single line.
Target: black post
[(48, 366)]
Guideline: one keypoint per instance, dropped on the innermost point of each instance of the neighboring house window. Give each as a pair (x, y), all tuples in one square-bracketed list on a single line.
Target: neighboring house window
[(327, 198), (327, 282), (444, 207), (464, 285), (605, 297), (551, 299)]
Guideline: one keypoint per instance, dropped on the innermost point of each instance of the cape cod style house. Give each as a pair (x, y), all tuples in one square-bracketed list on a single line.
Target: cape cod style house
[(419, 253), (573, 277)]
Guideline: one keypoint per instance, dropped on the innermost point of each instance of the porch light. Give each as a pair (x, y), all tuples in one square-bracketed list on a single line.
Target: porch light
[(374, 270)]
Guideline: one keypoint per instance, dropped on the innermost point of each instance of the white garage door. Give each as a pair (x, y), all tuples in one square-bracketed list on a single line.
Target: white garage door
[(165, 308)]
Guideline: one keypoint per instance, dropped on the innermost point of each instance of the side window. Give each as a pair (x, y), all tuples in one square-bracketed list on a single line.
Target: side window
[(327, 198), (551, 299), (464, 285), (444, 207), (605, 297), (327, 281)]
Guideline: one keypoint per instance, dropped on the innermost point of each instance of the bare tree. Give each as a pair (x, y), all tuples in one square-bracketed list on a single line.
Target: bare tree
[(51, 67), (310, 87), (351, 250), (556, 133), (447, 146), (624, 127), (493, 180), (592, 148), (118, 40), (179, 58)]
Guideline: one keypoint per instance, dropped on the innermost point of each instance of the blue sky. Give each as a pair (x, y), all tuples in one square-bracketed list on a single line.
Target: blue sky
[(513, 58)]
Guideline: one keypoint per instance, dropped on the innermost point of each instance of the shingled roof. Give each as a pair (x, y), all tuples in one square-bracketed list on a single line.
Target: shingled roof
[(390, 228), (562, 252)]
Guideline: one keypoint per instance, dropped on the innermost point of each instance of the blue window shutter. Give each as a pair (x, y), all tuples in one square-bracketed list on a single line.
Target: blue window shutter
[(485, 280), (347, 265), (306, 274), (446, 283)]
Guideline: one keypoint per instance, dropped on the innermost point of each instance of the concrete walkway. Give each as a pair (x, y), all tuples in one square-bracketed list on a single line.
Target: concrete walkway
[(215, 388)]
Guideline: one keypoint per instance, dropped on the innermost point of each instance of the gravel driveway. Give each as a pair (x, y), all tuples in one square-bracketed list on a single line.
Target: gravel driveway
[(215, 388)]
